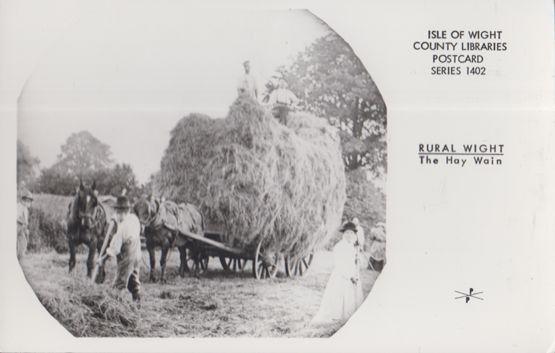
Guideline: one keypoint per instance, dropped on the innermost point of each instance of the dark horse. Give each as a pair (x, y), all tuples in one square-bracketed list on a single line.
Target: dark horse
[(160, 232), (86, 224)]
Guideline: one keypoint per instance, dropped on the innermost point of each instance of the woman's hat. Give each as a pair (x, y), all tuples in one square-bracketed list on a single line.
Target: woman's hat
[(348, 226), (122, 203)]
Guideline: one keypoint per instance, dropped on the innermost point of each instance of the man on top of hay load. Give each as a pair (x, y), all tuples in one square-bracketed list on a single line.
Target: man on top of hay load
[(125, 245), (23, 205), (247, 84), (282, 101)]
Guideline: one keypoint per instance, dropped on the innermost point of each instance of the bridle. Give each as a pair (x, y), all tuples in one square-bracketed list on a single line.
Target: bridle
[(93, 217)]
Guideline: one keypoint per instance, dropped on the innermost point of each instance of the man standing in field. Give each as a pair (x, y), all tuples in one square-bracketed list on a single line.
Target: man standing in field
[(23, 222), (125, 246), (247, 84)]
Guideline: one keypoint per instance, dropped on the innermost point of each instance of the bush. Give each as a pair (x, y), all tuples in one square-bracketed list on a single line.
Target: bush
[(46, 232), (364, 201), (47, 217)]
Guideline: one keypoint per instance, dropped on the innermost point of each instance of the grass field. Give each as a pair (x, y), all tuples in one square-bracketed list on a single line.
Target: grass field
[(54, 205), (218, 304)]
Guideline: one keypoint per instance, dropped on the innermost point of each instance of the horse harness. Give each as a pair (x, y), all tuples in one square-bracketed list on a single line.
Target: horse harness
[(95, 218), (153, 215)]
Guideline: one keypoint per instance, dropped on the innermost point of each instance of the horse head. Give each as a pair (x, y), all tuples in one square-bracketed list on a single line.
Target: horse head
[(85, 203)]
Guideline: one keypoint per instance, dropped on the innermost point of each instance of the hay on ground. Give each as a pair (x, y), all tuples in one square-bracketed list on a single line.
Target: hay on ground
[(261, 180), (86, 309)]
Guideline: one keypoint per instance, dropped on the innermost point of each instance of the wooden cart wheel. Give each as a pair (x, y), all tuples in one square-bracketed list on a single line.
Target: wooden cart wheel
[(297, 267), (232, 264), (264, 265)]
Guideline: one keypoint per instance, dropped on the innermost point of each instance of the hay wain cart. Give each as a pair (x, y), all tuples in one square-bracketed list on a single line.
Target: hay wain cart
[(265, 264)]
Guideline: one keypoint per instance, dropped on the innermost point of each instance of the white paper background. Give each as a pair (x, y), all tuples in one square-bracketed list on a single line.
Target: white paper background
[(449, 228)]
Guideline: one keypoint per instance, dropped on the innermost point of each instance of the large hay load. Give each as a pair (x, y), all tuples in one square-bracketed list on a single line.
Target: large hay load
[(260, 180)]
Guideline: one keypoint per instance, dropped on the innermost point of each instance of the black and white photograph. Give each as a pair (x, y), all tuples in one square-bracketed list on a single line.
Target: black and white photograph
[(189, 172), (277, 176)]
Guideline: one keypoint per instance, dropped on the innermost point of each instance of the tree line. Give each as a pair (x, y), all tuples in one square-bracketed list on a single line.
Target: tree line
[(81, 157)]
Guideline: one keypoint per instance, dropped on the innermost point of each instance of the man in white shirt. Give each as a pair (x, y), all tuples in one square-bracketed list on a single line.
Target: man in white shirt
[(23, 205), (125, 245), (247, 84), (282, 100)]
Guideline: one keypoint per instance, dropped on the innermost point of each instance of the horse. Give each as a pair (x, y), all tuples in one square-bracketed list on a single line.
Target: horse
[(87, 222), (161, 222)]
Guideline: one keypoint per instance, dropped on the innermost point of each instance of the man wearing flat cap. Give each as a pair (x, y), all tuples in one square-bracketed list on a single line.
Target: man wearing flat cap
[(25, 200), (125, 246)]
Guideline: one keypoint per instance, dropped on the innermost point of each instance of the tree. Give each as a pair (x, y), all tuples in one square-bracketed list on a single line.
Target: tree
[(52, 181), (364, 200), (332, 82), (114, 180), (85, 157), (83, 154), (27, 164)]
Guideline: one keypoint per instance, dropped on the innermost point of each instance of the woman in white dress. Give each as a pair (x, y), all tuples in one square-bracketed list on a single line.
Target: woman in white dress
[(343, 293)]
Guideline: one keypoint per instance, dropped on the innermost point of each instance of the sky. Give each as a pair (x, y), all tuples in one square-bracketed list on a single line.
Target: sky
[(129, 74)]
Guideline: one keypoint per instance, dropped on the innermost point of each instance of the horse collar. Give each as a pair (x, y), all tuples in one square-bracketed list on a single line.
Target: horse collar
[(152, 217)]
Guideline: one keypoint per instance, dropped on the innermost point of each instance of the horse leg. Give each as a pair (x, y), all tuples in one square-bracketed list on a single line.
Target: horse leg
[(71, 245), (183, 260), (101, 275), (163, 258), (196, 260), (91, 257), (152, 258)]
